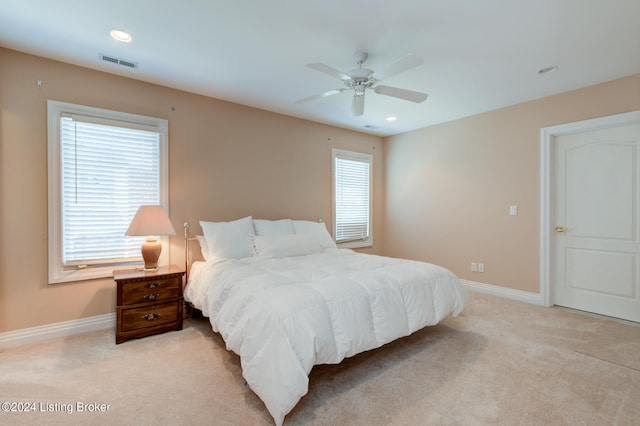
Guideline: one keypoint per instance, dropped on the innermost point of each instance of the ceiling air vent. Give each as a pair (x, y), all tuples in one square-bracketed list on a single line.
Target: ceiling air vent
[(118, 61)]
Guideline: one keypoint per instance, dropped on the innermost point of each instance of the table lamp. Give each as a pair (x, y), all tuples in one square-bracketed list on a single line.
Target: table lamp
[(151, 221)]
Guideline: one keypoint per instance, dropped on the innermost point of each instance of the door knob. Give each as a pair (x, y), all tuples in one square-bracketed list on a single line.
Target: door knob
[(561, 229)]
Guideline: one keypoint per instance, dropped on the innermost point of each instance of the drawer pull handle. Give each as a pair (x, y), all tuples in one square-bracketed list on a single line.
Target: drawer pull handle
[(151, 317), (151, 296), (152, 285)]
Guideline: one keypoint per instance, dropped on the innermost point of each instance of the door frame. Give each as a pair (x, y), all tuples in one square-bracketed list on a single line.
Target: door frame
[(547, 140)]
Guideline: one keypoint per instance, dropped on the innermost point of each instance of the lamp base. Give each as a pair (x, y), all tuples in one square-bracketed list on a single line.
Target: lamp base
[(151, 250)]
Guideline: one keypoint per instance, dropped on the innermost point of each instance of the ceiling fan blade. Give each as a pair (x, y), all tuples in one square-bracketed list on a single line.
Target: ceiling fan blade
[(320, 95), (357, 107), (401, 66), (407, 95), (326, 69)]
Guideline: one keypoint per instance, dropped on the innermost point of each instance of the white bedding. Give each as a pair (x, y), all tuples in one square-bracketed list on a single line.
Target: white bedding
[(285, 315)]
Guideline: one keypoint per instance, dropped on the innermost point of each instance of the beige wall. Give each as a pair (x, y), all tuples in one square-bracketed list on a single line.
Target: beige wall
[(449, 187), (441, 193), (226, 161)]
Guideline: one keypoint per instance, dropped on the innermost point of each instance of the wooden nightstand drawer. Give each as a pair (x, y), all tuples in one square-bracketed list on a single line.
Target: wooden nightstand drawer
[(150, 291), (150, 316)]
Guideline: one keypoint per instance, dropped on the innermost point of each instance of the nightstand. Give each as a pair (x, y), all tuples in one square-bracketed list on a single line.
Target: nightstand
[(148, 302)]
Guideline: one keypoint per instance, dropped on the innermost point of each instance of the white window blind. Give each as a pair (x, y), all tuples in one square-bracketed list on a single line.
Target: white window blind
[(352, 190), (107, 173), (103, 165)]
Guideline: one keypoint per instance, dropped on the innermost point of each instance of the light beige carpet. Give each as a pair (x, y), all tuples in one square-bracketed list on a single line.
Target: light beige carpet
[(504, 363)]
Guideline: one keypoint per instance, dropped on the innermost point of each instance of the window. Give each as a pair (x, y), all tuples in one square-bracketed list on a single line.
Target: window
[(352, 198), (102, 166)]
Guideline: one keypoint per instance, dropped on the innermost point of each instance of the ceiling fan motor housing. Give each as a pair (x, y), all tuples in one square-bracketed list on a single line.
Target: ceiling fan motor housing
[(360, 78)]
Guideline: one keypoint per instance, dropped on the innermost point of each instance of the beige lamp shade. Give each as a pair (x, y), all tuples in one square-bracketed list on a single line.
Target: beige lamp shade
[(151, 221)]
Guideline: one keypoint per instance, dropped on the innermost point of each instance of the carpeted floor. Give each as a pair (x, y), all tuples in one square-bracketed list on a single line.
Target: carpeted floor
[(504, 363)]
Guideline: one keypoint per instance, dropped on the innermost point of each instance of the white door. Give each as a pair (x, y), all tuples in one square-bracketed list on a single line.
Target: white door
[(596, 194)]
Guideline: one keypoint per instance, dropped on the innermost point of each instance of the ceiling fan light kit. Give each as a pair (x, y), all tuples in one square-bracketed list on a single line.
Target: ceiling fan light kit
[(360, 79)]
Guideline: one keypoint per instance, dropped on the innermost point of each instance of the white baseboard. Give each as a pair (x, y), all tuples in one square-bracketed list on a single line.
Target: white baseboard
[(507, 293), (59, 329)]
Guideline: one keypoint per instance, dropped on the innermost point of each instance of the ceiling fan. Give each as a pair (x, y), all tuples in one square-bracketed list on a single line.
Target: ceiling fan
[(360, 79)]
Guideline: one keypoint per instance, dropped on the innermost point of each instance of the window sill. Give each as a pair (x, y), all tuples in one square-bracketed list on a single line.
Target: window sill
[(81, 275), (356, 244), (60, 276)]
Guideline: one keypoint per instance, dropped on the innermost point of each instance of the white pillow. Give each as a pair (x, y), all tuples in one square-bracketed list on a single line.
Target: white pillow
[(276, 246), (203, 247), (228, 240), (273, 227), (317, 229)]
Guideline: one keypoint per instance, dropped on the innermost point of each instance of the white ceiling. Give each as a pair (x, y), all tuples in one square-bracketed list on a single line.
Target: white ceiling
[(478, 55)]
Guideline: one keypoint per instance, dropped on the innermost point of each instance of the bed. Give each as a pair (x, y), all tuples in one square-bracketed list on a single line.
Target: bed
[(285, 298)]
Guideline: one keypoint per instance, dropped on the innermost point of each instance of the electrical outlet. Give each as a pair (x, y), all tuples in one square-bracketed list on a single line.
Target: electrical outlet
[(480, 267), (474, 267)]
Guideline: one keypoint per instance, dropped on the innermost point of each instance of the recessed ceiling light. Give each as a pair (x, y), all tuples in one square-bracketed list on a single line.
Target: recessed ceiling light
[(121, 36), (391, 118), (547, 70)]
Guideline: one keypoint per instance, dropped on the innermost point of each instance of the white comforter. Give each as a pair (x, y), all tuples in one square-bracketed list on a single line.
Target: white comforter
[(283, 316)]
